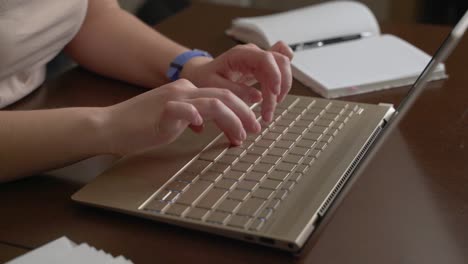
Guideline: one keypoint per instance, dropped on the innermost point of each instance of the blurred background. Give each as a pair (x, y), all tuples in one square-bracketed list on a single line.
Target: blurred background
[(397, 11)]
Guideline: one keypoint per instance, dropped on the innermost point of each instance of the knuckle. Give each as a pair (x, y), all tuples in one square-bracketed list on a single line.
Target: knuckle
[(282, 59), (214, 104), (251, 46), (226, 95), (183, 84)]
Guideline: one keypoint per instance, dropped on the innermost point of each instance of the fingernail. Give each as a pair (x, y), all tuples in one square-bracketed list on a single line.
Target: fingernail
[(243, 135), (258, 127)]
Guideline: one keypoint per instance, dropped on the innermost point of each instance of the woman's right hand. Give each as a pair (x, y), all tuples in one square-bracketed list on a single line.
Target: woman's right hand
[(159, 116)]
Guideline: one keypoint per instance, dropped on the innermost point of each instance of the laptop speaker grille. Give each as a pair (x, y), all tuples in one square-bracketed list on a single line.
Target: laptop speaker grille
[(348, 172)]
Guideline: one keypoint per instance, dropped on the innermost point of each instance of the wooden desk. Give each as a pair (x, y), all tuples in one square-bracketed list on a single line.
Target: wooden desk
[(409, 206), (9, 252)]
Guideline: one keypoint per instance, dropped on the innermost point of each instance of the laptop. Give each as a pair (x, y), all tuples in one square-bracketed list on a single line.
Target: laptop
[(274, 188)]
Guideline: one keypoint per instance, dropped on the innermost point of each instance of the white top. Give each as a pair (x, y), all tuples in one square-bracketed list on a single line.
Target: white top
[(32, 33)]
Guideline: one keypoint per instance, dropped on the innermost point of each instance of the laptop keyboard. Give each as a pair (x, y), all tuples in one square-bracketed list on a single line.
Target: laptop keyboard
[(243, 186)]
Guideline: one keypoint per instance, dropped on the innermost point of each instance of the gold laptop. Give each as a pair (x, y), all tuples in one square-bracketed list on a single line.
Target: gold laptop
[(273, 189)]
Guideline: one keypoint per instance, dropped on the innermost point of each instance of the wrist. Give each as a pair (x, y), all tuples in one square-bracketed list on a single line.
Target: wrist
[(189, 59), (191, 68), (98, 122)]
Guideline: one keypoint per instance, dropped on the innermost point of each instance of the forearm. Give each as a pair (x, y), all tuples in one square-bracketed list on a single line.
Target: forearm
[(33, 141), (116, 44)]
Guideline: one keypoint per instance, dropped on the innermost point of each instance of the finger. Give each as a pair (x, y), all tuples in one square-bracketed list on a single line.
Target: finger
[(214, 109), (282, 48), (249, 60), (235, 104), (268, 106), (286, 75), (175, 117), (246, 93)]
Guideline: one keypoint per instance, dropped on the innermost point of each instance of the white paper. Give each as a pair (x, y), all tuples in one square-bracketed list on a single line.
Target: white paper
[(63, 250)]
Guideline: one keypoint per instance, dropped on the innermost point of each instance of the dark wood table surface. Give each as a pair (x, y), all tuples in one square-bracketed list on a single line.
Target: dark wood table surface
[(409, 206)]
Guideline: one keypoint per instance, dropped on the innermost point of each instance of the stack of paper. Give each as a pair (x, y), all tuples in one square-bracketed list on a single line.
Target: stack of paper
[(63, 250)]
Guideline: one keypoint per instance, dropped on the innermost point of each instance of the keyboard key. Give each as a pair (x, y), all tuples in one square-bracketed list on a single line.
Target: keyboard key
[(306, 143), (162, 194), (254, 176), (303, 123), (297, 130), (220, 167), (324, 122), (285, 166), (291, 158), (233, 175), (171, 197), (281, 194), (270, 184), (198, 166), (214, 152), (177, 186), (272, 136), (285, 144), (270, 159), (194, 191), (211, 198), (211, 176), (290, 136), (304, 103), (279, 129), (247, 185), (311, 158), (296, 177), (187, 177), (236, 151), (197, 213), (266, 143), (277, 151), (239, 221), (287, 103), (228, 159), (284, 122), (312, 136), (278, 175), (258, 150), (320, 145), (176, 209), (228, 205), (251, 207), (156, 205), (218, 217), (326, 138), (289, 185), (242, 167), (257, 224), (301, 151), (302, 168), (263, 167), (239, 195), (318, 129), (310, 117), (225, 184), (329, 116), (250, 158), (273, 204), (262, 193), (253, 137)]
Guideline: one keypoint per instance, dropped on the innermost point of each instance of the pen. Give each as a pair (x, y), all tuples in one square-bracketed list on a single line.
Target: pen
[(320, 43)]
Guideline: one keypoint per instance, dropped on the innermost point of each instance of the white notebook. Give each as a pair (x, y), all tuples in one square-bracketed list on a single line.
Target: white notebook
[(368, 62), (63, 250)]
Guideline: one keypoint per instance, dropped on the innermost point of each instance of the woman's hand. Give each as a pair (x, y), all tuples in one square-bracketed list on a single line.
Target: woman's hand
[(240, 67), (160, 115)]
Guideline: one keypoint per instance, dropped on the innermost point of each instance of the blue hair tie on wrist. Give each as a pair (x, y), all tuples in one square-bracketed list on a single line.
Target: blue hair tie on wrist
[(176, 66)]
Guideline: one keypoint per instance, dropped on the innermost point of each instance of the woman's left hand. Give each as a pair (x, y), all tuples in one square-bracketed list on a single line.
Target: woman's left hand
[(242, 66)]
